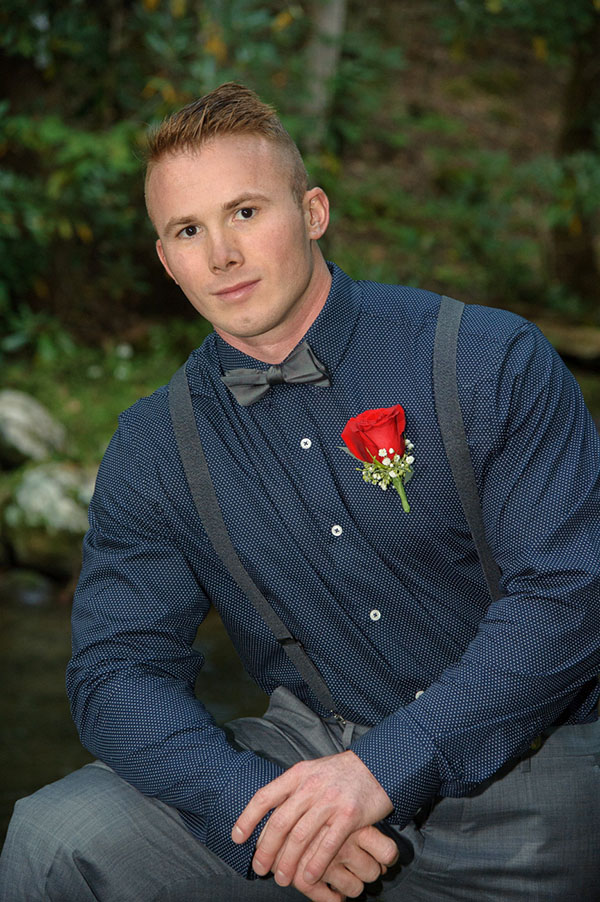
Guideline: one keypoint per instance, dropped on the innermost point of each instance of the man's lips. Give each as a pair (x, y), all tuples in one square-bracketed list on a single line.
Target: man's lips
[(235, 292)]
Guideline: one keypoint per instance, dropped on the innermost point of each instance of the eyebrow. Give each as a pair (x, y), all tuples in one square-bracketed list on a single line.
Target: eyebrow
[(180, 222)]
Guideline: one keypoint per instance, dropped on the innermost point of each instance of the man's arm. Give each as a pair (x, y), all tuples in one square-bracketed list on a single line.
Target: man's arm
[(131, 678), (537, 651)]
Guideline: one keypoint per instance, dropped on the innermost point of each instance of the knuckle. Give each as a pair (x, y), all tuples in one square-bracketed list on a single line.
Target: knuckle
[(353, 887), (261, 796), (330, 842), (278, 821), (350, 810), (299, 833), (372, 872), (391, 853), (330, 795)]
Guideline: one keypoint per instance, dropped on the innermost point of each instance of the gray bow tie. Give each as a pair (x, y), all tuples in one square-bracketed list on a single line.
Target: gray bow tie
[(248, 386)]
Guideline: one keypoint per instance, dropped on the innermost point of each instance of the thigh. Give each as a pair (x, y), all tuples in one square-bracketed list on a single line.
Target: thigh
[(531, 835), (92, 836)]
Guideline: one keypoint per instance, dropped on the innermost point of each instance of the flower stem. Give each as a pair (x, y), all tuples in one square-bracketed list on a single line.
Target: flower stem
[(399, 486)]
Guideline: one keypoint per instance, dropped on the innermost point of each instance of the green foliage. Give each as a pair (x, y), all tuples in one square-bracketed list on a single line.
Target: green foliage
[(556, 26), (72, 203), (88, 78), (86, 387)]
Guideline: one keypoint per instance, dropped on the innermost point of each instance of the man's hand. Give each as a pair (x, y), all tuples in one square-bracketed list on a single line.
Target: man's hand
[(317, 806), (363, 858)]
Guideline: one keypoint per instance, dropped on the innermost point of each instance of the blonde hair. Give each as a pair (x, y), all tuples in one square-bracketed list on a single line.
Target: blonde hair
[(231, 109)]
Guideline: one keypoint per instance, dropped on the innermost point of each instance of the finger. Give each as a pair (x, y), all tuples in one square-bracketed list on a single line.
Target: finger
[(301, 831), (329, 846), (322, 890), (357, 862), (344, 881), (267, 798), (378, 845)]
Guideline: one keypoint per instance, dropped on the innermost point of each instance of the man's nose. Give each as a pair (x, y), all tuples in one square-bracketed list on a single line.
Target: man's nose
[(223, 252)]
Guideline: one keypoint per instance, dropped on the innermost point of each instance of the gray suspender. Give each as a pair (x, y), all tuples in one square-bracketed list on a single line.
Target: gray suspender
[(447, 408), (455, 443), (205, 499)]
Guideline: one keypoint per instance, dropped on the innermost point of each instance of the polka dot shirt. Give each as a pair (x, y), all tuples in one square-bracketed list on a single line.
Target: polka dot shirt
[(391, 607)]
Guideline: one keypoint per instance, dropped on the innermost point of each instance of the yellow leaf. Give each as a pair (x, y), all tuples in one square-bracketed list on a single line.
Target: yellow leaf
[(169, 93), (540, 48), (149, 88), (216, 46), (178, 8), (494, 6), (597, 5), (282, 20), (150, 5), (64, 228), (56, 182), (84, 232), (575, 226)]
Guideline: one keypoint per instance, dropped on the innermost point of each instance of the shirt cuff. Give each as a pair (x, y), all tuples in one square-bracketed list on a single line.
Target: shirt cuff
[(248, 779), (404, 762)]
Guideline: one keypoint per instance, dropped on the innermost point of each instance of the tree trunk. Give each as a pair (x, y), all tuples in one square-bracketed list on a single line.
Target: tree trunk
[(575, 260), (328, 19)]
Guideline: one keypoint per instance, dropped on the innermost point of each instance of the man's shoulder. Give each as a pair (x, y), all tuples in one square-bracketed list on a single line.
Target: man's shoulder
[(419, 307), (153, 409), (398, 302)]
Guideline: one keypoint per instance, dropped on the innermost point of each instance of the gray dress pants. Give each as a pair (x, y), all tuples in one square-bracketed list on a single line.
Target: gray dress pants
[(532, 834)]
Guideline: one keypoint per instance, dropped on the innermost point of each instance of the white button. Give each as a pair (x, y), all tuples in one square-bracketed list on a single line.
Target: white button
[(305, 443), (375, 614), (419, 693), (336, 530)]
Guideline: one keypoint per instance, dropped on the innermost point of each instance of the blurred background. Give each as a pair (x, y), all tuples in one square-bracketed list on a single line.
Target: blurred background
[(459, 141)]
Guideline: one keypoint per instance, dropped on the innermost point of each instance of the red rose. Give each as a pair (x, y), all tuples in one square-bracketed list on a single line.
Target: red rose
[(372, 431)]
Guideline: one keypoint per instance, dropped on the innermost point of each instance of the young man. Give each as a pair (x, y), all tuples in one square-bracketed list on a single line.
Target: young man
[(464, 729)]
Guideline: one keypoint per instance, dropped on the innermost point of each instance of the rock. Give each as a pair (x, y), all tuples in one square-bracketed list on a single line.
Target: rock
[(45, 520), (26, 587), (27, 431)]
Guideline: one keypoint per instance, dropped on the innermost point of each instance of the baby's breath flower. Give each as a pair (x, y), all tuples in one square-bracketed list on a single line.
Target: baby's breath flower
[(395, 470)]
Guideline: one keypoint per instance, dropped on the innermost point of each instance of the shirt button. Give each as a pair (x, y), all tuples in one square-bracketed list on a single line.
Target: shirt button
[(305, 443), (375, 614), (419, 693), (336, 530)]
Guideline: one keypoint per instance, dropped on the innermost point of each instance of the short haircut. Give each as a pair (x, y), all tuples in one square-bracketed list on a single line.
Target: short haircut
[(231, 109)]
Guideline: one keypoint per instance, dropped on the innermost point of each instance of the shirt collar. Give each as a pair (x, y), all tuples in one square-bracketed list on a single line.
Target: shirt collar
[(329, 335)]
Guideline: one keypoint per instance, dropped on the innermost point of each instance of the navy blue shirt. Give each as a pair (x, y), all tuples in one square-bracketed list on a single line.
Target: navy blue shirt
[(392, 607)]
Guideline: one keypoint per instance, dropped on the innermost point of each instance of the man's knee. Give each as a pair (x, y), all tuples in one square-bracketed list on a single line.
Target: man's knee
[(48, 831)]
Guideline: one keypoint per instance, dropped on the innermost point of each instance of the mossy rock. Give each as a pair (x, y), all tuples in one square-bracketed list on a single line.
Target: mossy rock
[(27, 431), (46, 517)]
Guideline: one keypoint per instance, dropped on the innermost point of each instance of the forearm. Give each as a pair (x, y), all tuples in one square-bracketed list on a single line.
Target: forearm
[(486, 709)]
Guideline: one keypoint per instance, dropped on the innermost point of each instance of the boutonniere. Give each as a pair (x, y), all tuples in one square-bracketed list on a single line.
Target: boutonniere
[(376, 437)]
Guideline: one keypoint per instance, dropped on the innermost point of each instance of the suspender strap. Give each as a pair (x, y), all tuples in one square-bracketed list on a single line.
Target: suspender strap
[(207, 505), (447, 405)]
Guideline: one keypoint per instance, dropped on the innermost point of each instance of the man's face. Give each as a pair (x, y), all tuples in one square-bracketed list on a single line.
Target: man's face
[(235, 239)]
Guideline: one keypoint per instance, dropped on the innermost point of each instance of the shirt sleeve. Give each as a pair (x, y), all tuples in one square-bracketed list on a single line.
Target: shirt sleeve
[(131, 677), (535, 657)]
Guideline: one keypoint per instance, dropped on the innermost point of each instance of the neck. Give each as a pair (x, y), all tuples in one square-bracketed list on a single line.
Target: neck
[(274, 346)]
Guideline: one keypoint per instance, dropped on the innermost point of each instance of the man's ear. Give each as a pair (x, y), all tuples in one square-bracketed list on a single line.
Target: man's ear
[(316, 209), (163, 259)]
